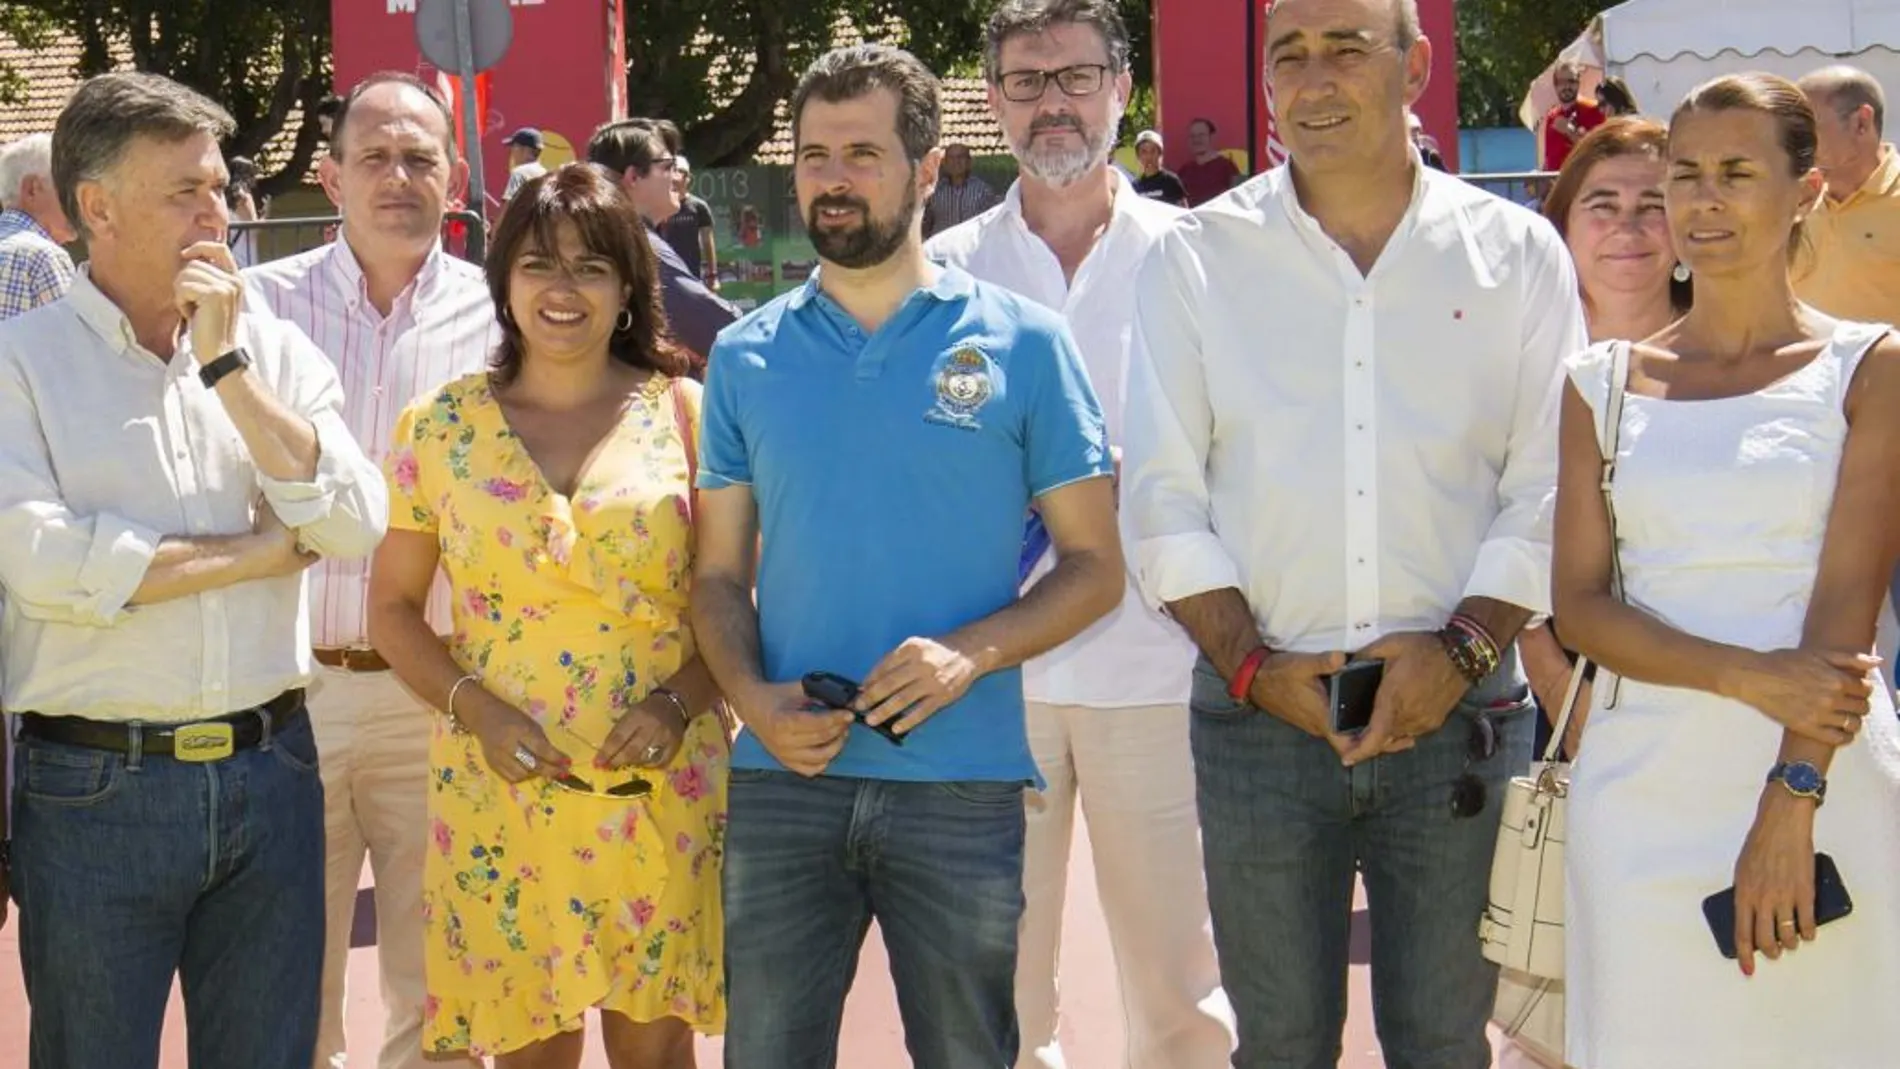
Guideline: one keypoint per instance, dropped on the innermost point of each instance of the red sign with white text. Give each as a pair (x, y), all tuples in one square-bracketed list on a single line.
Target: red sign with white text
[(565, 73)]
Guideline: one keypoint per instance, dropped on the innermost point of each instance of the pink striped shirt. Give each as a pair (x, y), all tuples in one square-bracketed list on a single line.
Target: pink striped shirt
[(440, 328)]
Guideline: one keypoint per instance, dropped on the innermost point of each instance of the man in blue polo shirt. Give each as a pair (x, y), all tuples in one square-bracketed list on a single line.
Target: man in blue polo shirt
[(886, 428)]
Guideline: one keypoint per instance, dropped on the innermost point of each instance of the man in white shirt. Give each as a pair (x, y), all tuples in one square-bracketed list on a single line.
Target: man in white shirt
[(1342, 444), (1107, 711), (169, 465), (399, 317)]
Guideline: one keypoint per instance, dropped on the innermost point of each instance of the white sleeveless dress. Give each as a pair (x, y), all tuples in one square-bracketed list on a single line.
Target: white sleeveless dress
[(1721, 507)]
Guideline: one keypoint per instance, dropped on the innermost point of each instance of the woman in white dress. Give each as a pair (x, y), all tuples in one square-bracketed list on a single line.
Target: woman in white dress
[(1757, 518)]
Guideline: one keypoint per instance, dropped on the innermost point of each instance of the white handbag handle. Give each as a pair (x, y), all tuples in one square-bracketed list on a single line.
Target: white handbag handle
[(1609, 439)]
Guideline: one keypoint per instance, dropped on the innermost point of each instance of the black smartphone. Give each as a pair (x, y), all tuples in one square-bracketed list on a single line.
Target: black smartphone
[(836, 692), (1831, 903), (1351, 691)]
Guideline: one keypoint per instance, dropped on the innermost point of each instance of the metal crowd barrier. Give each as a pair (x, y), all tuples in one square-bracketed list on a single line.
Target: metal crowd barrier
[(1520, 187), (262, 240)]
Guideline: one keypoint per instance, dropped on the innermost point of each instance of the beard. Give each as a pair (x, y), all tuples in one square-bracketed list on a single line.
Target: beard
[(1063, 167), (869, 243)]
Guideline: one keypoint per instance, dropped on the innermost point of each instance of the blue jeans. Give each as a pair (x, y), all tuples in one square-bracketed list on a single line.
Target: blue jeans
[(811, 862), (128, 871), (1284, 825)]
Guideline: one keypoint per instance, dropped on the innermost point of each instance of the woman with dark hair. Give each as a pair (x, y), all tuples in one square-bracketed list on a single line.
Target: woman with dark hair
[(1607, 202), (577, 791), (1729, 597), (1615, 98)]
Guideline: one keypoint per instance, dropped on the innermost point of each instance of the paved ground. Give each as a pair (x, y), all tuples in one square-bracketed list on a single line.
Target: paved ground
[(1092, 1032)]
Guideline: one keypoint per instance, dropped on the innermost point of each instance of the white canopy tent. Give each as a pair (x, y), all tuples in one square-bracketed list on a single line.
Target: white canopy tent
[(1664, 48)]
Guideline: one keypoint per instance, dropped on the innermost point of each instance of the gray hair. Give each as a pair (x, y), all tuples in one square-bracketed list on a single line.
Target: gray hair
[(1408, 31), (1846, 90), (108, 112), (29, 156), (1037, 16)]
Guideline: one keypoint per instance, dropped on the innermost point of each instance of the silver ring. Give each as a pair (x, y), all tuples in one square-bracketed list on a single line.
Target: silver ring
[(650, 752), (526, 759)]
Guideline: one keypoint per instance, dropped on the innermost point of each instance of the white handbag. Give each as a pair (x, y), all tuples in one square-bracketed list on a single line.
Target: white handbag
[(1523, 925)]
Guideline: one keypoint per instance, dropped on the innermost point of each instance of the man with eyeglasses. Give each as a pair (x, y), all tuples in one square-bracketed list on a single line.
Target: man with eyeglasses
[(1107, 711), (641, 154), (959, 195), (1342, 447)]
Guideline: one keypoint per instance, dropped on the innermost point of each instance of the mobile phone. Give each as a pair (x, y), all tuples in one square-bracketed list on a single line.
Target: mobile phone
[(1351, 691), (1831, 903), (836, 692)]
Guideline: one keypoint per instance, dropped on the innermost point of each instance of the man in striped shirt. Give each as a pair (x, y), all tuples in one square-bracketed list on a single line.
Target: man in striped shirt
[(398, 316), (959, 194)]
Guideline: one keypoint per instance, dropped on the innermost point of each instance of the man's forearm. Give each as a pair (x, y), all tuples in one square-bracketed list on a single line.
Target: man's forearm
[(726, 625), (282, 444), (1082, 588), (1221, 624), (1503, 619), (185, 566)]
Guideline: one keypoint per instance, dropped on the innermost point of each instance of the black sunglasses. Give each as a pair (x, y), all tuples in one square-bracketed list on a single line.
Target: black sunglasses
[(1467, 793)]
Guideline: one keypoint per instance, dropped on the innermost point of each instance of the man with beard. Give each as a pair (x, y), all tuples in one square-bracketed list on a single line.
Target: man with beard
[(1107, 711), (886, 427), (1569, 119)]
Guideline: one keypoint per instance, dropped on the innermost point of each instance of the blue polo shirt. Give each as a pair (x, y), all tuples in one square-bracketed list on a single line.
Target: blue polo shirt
[(892, 473)]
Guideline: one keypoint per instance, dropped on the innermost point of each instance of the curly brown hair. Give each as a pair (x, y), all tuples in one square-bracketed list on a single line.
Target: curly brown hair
[(609, 226)]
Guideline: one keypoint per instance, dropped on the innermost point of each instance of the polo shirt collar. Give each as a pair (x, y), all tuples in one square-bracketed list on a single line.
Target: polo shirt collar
[(1885, 179), (950, 284)]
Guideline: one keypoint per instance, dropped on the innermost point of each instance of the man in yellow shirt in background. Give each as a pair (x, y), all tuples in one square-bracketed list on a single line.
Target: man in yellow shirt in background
[(1852, 269)]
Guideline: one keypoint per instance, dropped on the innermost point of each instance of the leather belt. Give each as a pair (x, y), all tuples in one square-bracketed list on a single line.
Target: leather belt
[(350, 658), (200, 740)]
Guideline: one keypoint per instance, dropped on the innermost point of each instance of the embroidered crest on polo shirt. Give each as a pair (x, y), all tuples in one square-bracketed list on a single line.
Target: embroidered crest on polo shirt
[(964, 385)]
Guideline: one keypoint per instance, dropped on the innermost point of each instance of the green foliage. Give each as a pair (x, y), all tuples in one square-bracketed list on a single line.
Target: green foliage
[(721, 68), (258, 58), (1504, 44)]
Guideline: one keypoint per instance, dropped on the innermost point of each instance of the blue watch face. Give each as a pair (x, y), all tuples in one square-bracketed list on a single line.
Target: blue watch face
[(1804, 778)]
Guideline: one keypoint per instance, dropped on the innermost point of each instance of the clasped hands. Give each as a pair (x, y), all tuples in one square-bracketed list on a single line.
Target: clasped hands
[(1419, 690)]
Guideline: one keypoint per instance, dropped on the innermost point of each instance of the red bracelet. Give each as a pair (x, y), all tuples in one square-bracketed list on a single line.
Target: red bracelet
[(1242, 683)]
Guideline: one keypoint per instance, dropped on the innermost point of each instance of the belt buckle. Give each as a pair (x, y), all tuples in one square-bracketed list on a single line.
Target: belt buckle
[(200, 743)]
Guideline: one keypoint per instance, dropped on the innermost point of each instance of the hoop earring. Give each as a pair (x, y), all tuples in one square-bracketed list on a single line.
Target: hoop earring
[(1681, 273), (507, 315), (625, 321)]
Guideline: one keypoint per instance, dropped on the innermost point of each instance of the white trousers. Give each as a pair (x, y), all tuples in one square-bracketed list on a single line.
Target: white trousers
[(1134, 775), (373, 751)]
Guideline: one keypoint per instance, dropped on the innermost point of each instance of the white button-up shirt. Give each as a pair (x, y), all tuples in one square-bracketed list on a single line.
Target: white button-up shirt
[(440, 328), (105, 450), (1356, 453), (1133, 656)]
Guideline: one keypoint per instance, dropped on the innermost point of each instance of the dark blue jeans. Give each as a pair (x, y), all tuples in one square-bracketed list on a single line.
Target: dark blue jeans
[(1284, 826), (811, 862), (128, 872)]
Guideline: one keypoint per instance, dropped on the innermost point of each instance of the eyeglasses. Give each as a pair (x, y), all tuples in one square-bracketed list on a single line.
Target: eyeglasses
[(1080, 80), (1468, 794), (666, 163), (633, 788)]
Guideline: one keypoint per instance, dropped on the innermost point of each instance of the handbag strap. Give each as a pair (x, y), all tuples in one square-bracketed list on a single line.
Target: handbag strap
[(685, 421), (1609, 441)]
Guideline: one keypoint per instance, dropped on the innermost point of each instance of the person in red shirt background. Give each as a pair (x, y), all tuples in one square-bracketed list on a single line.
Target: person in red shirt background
[(1571, 118), (1209, 173)]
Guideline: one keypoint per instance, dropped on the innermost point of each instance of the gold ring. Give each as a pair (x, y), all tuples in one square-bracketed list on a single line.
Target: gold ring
[(1788, 924)]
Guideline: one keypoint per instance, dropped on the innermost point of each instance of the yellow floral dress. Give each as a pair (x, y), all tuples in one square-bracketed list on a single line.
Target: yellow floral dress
[(540, 902)]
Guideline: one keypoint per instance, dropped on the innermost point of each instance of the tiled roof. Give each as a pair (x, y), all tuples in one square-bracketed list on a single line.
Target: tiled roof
[(47, 78), (49, 75), (966, 120)]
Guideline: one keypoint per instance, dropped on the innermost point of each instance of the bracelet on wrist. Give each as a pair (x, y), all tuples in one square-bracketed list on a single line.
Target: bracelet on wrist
[(1241, 685), (672, 696), (1472, 650), (448, 707)]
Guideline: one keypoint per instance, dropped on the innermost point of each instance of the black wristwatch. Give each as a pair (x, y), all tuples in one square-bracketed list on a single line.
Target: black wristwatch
[(234, 360)]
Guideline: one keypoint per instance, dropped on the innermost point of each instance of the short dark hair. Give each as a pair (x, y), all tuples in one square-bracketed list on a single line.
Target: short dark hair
[(849, 73), (1209, 123), (107, 112), (609, 226), (1612, 93), (1037, 16), (391, 78), (633, 144)]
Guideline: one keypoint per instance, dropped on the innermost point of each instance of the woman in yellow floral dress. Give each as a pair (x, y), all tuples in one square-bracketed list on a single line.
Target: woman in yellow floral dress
[(578, 782)]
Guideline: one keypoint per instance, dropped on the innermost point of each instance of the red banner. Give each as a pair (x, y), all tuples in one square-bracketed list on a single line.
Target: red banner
[(565, 73)]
